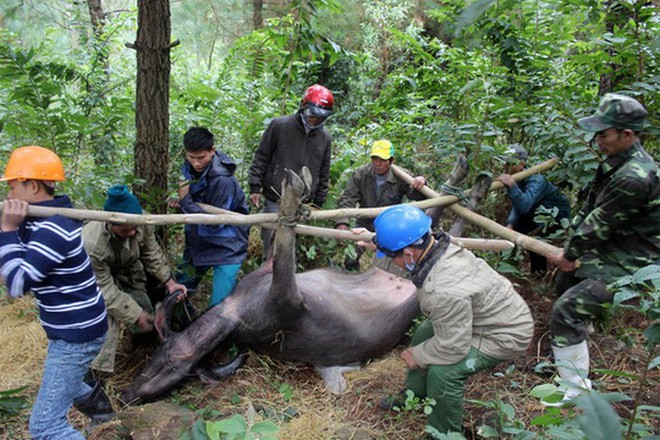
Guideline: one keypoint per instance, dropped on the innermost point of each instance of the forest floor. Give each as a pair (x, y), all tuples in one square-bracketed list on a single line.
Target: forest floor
[(294, 397)]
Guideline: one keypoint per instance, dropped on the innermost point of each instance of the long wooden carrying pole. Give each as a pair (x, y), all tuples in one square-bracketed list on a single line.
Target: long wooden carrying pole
[(224, 217), (526, 242), (251, 219)]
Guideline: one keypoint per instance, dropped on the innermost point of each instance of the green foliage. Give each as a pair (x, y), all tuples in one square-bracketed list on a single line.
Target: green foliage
[(238, 428), (413, 403), (11, 402)]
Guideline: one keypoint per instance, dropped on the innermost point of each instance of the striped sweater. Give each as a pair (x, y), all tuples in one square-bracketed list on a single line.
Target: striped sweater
[(46, 256)]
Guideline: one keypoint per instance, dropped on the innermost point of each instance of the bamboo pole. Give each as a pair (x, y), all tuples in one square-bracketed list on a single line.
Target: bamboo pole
[(216, 215), (468, 243), (207, 219), (522, 240)]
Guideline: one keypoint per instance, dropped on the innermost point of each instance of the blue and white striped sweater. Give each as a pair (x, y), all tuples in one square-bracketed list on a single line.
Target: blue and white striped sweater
[(46, 256)]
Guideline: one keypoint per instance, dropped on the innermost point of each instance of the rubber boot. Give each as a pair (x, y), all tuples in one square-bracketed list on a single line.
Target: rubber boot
[(572, 364), (96, 405)]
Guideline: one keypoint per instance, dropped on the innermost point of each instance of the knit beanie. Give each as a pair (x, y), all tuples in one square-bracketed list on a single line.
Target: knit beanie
[(120, 199)]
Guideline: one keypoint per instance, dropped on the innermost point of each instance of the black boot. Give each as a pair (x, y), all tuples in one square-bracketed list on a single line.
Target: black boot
[(96, 405)]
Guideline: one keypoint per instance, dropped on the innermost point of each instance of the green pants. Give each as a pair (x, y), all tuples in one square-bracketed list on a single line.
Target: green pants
[(445, 383)]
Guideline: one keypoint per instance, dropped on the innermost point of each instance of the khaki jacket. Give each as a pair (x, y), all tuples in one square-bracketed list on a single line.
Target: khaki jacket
[(120, 265), (470, 305)]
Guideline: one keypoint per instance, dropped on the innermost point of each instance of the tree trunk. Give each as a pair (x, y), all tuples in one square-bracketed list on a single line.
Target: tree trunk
[(97, 86), (96, 15), (152, 103), (257, 14)]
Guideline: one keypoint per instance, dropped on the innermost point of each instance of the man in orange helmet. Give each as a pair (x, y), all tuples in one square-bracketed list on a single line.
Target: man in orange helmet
[(291, 142), (46, 256)]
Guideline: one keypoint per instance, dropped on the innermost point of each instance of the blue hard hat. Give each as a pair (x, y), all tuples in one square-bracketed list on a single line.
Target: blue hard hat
[(398, 227)]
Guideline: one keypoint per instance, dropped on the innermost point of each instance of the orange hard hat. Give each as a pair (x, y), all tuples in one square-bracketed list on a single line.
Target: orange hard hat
[(33, 163)]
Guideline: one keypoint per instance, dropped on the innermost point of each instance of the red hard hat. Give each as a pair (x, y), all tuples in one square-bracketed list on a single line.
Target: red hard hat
[(318, 100)]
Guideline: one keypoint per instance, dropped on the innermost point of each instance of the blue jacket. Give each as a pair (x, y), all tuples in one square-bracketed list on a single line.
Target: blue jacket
[(535, 191), (212, 245), (46, 256)]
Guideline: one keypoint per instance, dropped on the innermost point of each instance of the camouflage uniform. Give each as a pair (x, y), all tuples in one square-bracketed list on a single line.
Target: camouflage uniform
[(617, 230)]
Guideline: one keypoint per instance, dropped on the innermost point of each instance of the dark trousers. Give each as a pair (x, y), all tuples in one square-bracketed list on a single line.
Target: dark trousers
[(582, 300)]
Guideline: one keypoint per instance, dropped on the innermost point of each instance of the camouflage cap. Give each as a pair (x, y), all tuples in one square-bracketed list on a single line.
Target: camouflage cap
[(618, 111), (516, 151)]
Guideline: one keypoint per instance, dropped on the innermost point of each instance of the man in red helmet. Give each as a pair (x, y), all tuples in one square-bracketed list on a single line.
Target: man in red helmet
[(291, 142)]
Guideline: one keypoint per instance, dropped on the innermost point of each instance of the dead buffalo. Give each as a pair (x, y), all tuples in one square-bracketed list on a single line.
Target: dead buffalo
[(322, 317)]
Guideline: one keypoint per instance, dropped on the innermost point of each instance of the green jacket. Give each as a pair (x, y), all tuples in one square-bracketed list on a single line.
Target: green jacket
[(617, 230), (121, 265), (361, 190)]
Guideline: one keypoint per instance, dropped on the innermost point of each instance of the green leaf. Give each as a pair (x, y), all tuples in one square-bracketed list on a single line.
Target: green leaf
[(233, 425), (547, 419), (266, 428), (486, 431), (598, 421)]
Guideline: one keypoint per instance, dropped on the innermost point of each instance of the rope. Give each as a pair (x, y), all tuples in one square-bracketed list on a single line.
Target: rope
[(303, 213), (458, 192)]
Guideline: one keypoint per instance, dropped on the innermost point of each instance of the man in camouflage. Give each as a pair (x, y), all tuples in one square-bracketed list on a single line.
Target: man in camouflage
[(617, 232)]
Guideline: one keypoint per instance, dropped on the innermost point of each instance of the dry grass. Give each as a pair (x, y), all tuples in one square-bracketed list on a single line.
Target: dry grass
[(294, 397)]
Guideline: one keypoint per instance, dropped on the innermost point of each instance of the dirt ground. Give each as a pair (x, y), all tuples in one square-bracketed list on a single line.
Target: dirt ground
[(294, 397)]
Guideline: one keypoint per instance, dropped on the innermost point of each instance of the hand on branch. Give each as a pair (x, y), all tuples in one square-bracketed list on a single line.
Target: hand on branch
[(363, 244), (418, 182), (14, 212), (255, 199), (560, 261), (507, 180)]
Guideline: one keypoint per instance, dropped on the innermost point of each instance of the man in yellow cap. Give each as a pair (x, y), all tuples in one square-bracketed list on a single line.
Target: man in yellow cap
[(375, 185)]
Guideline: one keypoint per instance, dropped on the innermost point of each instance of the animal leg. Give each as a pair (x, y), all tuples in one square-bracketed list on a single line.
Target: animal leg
[(334, 376), (479, 189), (457, 176)]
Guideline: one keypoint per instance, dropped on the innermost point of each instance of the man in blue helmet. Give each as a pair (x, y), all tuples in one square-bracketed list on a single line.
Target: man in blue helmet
[(475, 317)]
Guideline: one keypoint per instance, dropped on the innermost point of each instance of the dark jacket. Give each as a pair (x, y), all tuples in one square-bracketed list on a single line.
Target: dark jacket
[(286, 145), (527, 195), (46, 256), (361, 190), (212, 245), (617, 231)]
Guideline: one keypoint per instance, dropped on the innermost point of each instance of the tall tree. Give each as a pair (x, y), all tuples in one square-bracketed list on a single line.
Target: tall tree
[(152, 102), (257, 14)]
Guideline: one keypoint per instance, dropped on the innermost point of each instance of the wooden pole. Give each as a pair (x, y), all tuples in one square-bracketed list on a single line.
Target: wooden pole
[(468, 243), (250, 219), (522, 240)]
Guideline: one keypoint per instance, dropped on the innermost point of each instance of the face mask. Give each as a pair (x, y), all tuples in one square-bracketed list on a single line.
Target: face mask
[(410, 267), (308, 127)]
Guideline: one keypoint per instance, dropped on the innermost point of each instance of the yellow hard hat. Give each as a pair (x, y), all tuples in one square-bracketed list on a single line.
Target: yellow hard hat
[(33, 163), (382, 148)]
